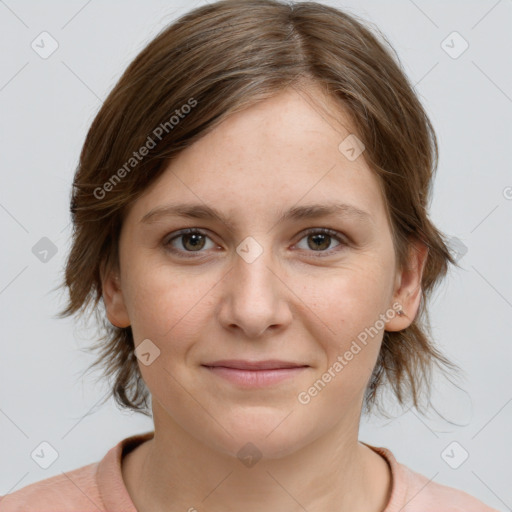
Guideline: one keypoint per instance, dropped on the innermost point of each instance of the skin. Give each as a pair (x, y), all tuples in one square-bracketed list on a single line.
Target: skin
[(290, 303)]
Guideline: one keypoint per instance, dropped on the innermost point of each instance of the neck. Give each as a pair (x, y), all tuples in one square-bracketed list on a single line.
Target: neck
[(175, 472)]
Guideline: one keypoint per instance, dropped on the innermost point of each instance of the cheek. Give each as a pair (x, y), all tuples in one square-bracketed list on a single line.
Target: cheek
[(355, 298), (352, 310), (363, 300), (169, 309), (166, 305)]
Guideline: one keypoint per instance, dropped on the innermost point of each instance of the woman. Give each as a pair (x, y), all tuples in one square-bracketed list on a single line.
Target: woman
[(251, 210)]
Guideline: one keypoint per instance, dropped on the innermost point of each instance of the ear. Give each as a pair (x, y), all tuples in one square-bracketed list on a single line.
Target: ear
[(113, 297), (408, 290)]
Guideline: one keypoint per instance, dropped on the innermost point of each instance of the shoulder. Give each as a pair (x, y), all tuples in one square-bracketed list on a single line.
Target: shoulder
[(92, 488), (425, 492), (414, 492), (71, 491)]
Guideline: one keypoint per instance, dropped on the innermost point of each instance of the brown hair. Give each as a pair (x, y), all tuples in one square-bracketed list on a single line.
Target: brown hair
[(219, 59)]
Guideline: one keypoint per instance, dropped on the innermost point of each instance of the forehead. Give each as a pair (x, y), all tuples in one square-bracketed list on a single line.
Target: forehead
[(279, 152)]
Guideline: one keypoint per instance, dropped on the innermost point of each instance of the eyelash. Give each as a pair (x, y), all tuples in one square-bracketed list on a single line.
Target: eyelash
[(196, 231)]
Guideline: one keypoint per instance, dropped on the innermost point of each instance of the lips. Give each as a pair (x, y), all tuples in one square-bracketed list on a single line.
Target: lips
[(271, 364), (253, 375)]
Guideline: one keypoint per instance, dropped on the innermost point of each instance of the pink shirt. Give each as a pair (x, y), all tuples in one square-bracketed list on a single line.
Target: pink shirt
[(100, 487)]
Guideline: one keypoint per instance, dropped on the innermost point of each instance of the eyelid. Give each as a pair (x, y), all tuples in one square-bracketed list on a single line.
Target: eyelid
[(186, 231), (328, 231), (337, 235)]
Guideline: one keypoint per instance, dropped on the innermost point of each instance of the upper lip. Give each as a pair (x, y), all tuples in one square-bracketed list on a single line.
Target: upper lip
[(270, 364)]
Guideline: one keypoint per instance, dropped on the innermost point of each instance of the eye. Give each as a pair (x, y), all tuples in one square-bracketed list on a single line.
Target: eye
[(192, 241), (319, 239)]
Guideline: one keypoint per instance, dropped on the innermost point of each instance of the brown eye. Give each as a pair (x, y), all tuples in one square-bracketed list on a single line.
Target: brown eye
[(193, 242), (320, 241), (188, 241)]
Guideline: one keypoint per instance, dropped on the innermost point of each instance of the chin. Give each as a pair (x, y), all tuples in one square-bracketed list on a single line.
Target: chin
[(269, 439)]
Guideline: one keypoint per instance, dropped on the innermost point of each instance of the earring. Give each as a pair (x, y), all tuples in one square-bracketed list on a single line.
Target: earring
[(400, 312)]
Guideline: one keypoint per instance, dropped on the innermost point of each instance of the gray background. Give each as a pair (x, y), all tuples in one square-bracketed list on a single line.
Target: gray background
[(47, 106)]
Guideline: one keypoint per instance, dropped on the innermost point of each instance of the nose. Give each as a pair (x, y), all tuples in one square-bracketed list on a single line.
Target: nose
[(255, 296)]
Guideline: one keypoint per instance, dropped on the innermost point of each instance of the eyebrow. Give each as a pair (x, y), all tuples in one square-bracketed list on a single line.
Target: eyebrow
[(201, 211)]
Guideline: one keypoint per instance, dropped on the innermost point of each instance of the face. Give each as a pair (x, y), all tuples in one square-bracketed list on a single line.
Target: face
[(270, 276)]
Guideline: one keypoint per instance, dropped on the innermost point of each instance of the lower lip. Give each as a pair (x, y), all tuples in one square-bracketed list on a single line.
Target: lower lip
[(255, 378)]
